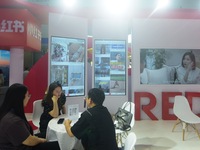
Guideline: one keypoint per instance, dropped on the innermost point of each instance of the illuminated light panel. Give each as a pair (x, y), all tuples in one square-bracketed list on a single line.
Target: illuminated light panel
[(116, 6), (68, 3), (162, 4)]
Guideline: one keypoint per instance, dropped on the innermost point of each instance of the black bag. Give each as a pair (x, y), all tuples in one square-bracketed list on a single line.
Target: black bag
[(123, 118)]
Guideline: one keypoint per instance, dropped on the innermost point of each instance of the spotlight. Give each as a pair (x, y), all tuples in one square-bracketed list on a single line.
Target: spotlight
[(116, 6), (68, 3), (162, 4)]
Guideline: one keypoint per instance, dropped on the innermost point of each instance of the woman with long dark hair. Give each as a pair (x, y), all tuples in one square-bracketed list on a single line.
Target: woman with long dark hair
[(54, 105), (15, 131)]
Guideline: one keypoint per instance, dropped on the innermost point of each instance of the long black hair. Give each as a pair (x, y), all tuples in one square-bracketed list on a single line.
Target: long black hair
[(14, 101), (52, 87)]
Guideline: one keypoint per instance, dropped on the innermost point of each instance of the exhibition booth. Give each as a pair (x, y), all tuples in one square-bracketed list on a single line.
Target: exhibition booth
[(159, 40)]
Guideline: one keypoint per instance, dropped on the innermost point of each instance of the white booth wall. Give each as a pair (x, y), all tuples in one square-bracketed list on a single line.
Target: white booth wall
[(147, 33), (155, 33), (76, 27)]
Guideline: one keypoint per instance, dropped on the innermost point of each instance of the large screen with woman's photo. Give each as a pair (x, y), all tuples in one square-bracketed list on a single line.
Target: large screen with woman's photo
[(169, 66), (67, 64), (110, 66)]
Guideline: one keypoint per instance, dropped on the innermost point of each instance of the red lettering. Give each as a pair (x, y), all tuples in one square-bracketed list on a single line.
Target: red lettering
[(166, 105), (190, 95), (146, 108)]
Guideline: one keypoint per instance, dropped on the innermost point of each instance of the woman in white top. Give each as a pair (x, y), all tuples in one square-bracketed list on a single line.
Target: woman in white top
[(188, 73)]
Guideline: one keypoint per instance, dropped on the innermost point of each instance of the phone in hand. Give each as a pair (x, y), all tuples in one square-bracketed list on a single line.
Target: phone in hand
[(61, 120)]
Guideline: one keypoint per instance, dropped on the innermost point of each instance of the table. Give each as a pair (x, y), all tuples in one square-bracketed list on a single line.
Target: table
[(57, 132)]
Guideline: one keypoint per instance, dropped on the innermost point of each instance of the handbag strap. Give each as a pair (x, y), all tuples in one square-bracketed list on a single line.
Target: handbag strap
[(126, 105)]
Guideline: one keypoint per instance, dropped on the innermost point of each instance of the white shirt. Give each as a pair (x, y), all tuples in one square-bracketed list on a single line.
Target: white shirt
[(193, 77)]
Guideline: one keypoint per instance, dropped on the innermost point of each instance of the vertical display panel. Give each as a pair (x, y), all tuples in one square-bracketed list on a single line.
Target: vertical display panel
[(110, 66), (67, 64)]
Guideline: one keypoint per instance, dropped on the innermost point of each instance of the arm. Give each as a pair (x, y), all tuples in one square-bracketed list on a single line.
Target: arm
[(68, 127), (186, 76), (33, 140), (63, 109), (55, 111), (181, 75), (189, 68)]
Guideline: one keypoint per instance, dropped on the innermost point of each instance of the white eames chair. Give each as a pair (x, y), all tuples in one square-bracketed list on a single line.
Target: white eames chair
[(37, 111), (130, 141), (184, 114)]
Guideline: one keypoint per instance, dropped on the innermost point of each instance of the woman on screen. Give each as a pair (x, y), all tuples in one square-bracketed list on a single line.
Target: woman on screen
[(54, 105), (188, 73), (118, 57), (103, 49)]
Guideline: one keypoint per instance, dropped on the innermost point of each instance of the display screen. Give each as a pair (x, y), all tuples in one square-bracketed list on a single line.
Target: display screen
[(67, 64), (4, 58), (169, 66), (110, 66), (5, 65)]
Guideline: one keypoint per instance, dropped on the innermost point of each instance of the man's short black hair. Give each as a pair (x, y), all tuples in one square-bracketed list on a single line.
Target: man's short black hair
[(96, 95)]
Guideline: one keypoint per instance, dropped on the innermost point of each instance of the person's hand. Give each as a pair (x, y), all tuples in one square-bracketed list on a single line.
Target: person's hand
[(67, 122), (43, 140), (190, 66), (54, 98)]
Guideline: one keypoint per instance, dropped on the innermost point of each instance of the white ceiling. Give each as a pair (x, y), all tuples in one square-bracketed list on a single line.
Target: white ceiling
[(95, 6)]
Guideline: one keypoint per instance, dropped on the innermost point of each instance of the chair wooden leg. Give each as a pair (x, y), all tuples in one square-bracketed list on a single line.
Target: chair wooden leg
[(183, 134), (117, 139), (178, 121), (196, 130), (121, 139), (184, 125)]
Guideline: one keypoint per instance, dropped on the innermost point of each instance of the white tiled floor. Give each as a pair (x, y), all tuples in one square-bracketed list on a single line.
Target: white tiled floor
[(158, 135)]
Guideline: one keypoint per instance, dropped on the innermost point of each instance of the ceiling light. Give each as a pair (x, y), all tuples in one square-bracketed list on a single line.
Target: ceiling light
[(68, 3), (116, 6), (162, 4)]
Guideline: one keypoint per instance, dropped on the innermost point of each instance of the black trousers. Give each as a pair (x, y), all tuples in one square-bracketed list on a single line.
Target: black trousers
[(47, 146)]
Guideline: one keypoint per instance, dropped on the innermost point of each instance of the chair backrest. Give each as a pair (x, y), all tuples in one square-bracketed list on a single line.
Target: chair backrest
[(37, 111), (127, 107), (130, 141), (182, 108)]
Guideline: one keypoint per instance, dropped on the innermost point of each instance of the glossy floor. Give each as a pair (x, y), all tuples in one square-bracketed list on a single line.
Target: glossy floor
[(158, 135)]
